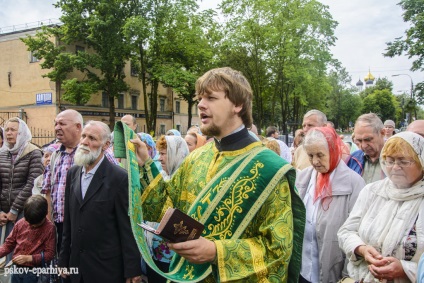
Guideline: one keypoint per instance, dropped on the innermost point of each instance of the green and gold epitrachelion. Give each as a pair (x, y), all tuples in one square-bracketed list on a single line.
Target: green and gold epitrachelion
[(227, 203)]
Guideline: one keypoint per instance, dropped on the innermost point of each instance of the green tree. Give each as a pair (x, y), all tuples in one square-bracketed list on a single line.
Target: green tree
[(283, 49), (163, 36), (351, 109), (381, 102), (339, 78), (380, 84), (189, 54), (98, 26), (412, 44)]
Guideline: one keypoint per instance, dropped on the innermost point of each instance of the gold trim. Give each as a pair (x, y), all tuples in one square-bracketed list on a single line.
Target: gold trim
[(220, 261), (257, 261), (261, 199)]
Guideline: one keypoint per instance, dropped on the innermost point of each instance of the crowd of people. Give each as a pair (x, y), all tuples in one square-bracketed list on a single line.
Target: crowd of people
[(320, 210)]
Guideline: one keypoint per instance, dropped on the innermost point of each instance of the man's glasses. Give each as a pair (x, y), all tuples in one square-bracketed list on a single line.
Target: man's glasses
[(401, 163)]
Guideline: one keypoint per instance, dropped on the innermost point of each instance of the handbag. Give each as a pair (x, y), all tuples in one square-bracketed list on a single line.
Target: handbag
[(47, 277), (43, 277), (4, 277)]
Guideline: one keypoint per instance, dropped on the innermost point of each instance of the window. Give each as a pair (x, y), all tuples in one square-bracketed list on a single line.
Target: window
[(79, 49), (134, 99), (121, 101), (105, 100), (162, 129), (162, 105), (32, 57), (178, 128), (177, 106), (134, 70)]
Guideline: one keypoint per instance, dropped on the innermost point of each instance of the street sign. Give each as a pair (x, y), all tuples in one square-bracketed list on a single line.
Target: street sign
[(43, 98)]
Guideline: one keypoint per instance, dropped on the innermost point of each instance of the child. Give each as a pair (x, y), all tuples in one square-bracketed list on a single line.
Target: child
[(30, 236)]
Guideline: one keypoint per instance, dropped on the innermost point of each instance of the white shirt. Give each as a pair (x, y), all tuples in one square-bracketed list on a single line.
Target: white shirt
[(86, 177), (310, 253)]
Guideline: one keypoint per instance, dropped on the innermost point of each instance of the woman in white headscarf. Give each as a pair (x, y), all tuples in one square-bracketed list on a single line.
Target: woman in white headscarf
[(20, 164), (383, 237), (172, 151)]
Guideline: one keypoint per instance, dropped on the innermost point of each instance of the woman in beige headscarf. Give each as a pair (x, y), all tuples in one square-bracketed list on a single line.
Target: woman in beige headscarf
[(194, 140), (383, 238), (20, 164)]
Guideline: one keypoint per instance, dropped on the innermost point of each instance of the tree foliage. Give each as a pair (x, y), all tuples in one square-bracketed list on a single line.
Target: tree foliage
[(171, 45), (381, 102), (412, 44), (98, 26), (282, 47)]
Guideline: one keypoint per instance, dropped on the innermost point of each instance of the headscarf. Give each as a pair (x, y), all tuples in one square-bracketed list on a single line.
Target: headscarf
[(201, 140), (414, 140), (51, 147), (392, 214), (173, 132), (323, 184), (22, 139), (176, 151), (149, 141)]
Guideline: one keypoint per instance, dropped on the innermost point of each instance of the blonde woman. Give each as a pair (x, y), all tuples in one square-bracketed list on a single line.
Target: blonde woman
[(383, 237)]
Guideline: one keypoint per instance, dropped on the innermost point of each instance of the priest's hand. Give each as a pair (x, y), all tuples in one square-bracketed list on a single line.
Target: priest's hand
[(195, 251), (141, 151)]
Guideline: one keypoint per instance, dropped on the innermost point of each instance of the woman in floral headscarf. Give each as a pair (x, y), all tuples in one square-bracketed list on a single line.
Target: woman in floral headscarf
[(172, 151), (20, 164), (47, 153), (329, 190), (151, 147)]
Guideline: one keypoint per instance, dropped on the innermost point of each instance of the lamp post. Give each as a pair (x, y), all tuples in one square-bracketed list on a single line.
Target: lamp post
[(412, 92)]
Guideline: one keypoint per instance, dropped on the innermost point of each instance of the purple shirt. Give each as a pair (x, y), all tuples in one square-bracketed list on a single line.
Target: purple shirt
[(55, 182)]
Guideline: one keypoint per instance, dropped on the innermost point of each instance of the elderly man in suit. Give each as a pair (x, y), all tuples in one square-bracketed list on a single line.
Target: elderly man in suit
[(97, 236)]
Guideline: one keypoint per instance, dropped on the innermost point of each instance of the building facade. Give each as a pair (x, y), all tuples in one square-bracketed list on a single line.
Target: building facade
[(26, 93)]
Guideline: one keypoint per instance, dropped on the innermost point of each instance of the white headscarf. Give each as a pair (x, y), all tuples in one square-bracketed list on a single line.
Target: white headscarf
[(23, 138), (176, 151), (393, 212)]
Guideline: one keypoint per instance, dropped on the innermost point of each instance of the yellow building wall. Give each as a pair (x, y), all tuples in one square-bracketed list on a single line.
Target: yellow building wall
[(21, 80)]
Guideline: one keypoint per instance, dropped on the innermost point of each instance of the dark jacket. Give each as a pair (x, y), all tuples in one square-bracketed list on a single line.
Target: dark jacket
[(17, 179), (357, 162), (97, 235)]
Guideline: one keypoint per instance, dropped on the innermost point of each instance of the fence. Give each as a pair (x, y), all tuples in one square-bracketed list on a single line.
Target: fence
[(4, 116), (42, 137)]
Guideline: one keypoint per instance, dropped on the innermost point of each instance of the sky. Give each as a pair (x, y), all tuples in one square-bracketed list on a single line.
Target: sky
[(363, 30)]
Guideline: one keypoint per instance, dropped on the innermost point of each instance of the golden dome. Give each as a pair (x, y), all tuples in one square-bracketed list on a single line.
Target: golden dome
[(369, 77)]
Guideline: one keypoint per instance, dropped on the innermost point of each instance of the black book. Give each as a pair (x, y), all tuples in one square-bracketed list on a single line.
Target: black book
[(176, 227)]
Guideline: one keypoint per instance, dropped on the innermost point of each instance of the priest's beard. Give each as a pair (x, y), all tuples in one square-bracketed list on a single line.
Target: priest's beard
[(210, 130), (82, 158)]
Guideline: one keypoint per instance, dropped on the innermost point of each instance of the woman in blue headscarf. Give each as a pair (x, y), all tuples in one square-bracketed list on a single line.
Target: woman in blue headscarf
[(173, 132), (151, 146)]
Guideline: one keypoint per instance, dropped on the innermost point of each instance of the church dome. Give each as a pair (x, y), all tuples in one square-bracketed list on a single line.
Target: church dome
[(369, 79)]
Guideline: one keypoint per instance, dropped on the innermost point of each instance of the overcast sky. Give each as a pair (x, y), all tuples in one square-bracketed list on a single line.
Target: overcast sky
[(364, 28)]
